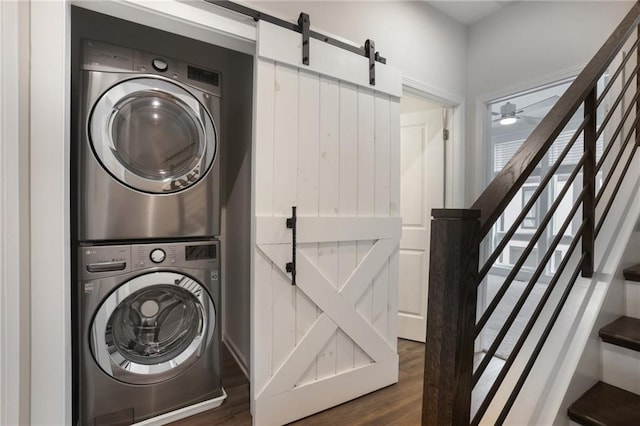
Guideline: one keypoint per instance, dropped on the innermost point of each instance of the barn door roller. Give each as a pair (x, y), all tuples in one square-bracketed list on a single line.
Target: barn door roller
[(303, 23), (302, 27)]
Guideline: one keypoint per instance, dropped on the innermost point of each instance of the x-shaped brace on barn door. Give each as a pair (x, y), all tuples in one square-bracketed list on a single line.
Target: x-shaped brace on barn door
[(338, 311)]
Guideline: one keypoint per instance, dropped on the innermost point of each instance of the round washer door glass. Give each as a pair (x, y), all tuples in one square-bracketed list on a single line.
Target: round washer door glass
[(152, 328), (152, 135)]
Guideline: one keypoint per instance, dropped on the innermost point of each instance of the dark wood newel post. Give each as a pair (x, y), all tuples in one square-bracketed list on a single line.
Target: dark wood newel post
[(451, 317), (589, 182)]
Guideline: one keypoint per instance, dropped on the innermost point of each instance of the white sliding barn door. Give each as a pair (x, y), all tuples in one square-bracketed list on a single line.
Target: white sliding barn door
[(328, 143)]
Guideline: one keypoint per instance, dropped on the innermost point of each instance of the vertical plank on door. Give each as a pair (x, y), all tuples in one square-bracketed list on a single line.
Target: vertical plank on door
[(394, 158), (285, 158), (264, 138), (382, 151), (394, 211), (308, 146), (366, 153), (329, 191), (366, 194), (381, 207), (347, 251), (264, 327), (264, 206)]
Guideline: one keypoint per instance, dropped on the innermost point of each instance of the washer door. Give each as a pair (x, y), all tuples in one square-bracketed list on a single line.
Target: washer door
[(152, 328), (152, 135)]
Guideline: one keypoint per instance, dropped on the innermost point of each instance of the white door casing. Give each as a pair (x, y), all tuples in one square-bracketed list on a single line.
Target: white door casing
[(327, 143), (422, 189)]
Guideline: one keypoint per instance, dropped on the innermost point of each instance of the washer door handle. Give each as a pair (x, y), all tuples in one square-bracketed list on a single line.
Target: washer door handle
[(106, 266)]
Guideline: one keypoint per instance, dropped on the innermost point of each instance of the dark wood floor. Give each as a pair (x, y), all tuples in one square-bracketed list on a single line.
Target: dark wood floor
[(399, 404)]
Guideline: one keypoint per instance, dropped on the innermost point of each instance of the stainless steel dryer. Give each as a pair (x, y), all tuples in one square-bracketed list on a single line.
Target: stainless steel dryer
[(148, 151), (149, 332)]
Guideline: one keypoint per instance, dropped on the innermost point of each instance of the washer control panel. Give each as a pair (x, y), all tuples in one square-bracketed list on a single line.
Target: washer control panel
[(100, 261)]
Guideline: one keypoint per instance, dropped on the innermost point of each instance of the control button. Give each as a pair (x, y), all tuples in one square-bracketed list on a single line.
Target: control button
[(157, 255), (159, 65)]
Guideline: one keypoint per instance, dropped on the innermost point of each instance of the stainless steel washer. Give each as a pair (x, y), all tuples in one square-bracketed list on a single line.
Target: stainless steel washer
[(149, 147), (148, 329)]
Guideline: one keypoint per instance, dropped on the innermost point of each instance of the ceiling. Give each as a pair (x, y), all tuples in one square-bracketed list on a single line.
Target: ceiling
[(468, 12)]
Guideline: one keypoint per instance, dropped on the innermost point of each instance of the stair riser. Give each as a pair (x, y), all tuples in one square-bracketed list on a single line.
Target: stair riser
[(621, 367), (632, 299)]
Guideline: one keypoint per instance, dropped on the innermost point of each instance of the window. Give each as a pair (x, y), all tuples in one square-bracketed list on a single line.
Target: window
[(531, 219)]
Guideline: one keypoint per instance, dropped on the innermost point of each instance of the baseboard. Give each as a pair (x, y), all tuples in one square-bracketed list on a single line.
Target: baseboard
[(237, 355)]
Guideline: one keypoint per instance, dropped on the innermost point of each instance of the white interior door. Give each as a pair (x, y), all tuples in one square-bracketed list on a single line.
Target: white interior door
[(422, 189), (328, 144)]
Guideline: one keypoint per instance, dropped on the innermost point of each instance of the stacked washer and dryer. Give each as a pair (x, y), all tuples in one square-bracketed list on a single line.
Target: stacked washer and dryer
[(148, 287)]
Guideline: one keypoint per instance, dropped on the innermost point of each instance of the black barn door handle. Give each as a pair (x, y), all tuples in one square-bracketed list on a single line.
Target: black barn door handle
[(292, 224)]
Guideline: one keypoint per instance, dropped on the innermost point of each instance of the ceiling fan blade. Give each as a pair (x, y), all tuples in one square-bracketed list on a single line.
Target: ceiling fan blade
[(534, 121), (541, 104)]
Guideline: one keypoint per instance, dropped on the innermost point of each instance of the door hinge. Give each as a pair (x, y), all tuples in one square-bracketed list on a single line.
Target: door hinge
[(445, 134)]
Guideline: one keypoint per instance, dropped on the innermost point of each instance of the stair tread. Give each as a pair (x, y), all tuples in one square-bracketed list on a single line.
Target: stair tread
[(632, 273), (624, 331), (606, 405)]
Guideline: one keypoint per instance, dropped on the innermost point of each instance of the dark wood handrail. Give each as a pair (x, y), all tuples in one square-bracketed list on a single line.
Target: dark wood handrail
[(506, 184)]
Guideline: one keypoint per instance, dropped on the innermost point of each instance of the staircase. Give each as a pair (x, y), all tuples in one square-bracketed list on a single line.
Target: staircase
[(615, 401), (576, 251)]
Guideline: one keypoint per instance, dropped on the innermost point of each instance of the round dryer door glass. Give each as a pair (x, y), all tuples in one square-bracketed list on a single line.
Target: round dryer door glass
[(152, 328), (153, 135)]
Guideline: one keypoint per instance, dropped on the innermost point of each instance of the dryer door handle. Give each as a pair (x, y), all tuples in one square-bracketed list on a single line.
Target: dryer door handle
[(106, 266)]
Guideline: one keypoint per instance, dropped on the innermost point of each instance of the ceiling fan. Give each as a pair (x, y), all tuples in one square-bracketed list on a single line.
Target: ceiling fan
[(509, 113)]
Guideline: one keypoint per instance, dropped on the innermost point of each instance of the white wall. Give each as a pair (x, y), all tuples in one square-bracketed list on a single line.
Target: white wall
[(422, 42), (523, 45)]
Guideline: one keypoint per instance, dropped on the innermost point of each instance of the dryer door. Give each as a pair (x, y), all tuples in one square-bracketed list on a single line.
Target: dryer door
[(152, 328), (152, 135)]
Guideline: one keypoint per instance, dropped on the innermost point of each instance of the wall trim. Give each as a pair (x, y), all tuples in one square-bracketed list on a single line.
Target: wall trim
[(533, 84), (50, 213), (198, 20), (14, 326), (431, 92)]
